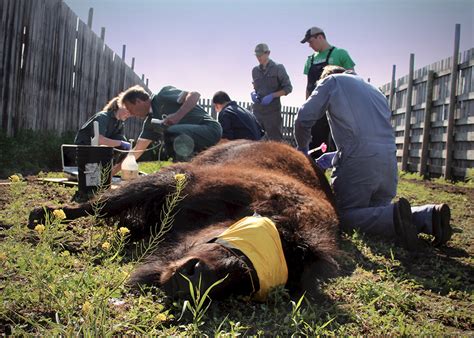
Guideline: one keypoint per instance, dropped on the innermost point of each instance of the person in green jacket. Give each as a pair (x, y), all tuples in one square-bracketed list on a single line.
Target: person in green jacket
[(111, 123), (175, 116)]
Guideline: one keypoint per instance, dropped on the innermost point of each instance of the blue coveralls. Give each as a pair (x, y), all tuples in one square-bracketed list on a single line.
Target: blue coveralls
[(365, 174)]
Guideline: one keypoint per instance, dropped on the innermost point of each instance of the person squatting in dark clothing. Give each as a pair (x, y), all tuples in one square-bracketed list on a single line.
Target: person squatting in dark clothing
[(236, 121)]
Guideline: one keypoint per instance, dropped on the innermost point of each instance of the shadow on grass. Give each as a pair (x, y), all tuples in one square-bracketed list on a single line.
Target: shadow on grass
[(438, 270)]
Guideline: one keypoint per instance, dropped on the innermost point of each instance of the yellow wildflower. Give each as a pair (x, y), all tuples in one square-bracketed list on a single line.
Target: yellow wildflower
[(65, 253), (106, 246), (161, 317), (180, 177), (59, 214), (15, 178), (40, 228), (123, 231), (3, 256), (86, 307)]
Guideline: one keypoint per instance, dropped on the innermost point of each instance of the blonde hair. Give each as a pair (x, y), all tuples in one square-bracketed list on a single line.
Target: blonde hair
[(133, 93), (112, 105)]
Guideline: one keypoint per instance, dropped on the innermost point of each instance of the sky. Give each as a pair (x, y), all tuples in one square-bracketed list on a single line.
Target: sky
[(208, 45)]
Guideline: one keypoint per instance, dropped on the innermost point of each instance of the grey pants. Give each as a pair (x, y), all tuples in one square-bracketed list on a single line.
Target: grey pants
[(272, 122), (365, 187)]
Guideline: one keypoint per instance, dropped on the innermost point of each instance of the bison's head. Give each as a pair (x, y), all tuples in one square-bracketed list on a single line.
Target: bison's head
[(203, 264), (206, 264), (245, 258)]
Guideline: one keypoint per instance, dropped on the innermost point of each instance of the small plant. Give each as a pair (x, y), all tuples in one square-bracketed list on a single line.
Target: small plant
[(167, 215), (469, 176), (200, 302)]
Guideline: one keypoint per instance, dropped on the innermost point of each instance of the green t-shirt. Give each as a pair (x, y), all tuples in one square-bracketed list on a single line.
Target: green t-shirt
[(339, 57), (109, 127), (166, 102)]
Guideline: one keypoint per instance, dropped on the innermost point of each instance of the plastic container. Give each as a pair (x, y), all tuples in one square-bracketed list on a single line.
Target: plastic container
[(129, 168), (94, 164)]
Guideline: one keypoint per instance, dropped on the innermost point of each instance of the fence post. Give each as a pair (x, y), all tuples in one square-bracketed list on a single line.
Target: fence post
[(133, 63), (102, 34), (89, 19), (427, 124), (124, 48), (392, 89), (406, 133), (452, 105)]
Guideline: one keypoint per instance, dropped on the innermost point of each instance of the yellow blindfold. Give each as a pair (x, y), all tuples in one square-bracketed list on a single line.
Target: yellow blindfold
[(258, 239)]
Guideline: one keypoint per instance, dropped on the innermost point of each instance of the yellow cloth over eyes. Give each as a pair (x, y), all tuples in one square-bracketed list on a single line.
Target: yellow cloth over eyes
[(258, 238)]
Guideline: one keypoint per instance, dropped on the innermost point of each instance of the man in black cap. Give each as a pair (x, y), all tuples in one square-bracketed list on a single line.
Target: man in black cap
[(324, 54)]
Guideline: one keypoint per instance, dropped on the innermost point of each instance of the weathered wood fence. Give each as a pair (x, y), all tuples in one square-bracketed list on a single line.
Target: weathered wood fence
[(433, 106), (55, 72)]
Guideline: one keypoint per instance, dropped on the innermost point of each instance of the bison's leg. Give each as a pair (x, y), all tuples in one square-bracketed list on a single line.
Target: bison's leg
[(114, 202)]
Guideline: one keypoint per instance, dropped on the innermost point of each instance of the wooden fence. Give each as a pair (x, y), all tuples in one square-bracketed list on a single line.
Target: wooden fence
[(425, 95), (55, 72)]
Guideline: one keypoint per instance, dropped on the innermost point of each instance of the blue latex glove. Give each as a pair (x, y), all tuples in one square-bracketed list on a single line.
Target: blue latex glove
[(255, 97), (267, 99), (325, 160), (125, 145)]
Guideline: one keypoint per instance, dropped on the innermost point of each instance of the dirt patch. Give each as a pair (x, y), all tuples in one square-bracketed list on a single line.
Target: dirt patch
[(452, 189)]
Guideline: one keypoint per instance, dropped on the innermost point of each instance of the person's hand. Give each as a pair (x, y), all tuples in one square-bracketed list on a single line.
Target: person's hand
[(255, 98), (125, 145), (267, 99), (171, 120), (325, 160)]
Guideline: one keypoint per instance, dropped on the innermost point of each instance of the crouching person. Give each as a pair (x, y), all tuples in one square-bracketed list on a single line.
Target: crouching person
[(111, 122), (236, 121), (175, 115), (365, 172)]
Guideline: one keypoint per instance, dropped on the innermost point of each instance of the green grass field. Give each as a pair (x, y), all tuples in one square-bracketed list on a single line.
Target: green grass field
[(68, 279)]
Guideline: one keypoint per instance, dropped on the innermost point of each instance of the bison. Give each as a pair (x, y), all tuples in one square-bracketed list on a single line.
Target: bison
[(225, 185)]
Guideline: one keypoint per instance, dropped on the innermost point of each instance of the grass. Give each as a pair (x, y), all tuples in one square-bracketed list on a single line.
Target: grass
[(64, 280)]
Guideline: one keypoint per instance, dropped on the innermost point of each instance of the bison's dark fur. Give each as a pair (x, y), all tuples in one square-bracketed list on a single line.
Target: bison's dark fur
[(225, 183)]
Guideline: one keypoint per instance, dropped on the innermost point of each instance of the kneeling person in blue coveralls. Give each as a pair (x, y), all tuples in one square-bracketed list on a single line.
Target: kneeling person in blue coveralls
[(365, 172), (186, 127), (236, 121)]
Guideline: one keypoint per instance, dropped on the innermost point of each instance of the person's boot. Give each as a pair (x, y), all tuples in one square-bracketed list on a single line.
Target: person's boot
[(405, 230), (442, 230)]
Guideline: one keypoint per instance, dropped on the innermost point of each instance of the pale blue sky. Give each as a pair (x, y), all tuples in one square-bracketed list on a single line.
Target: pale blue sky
[(207, 45)]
